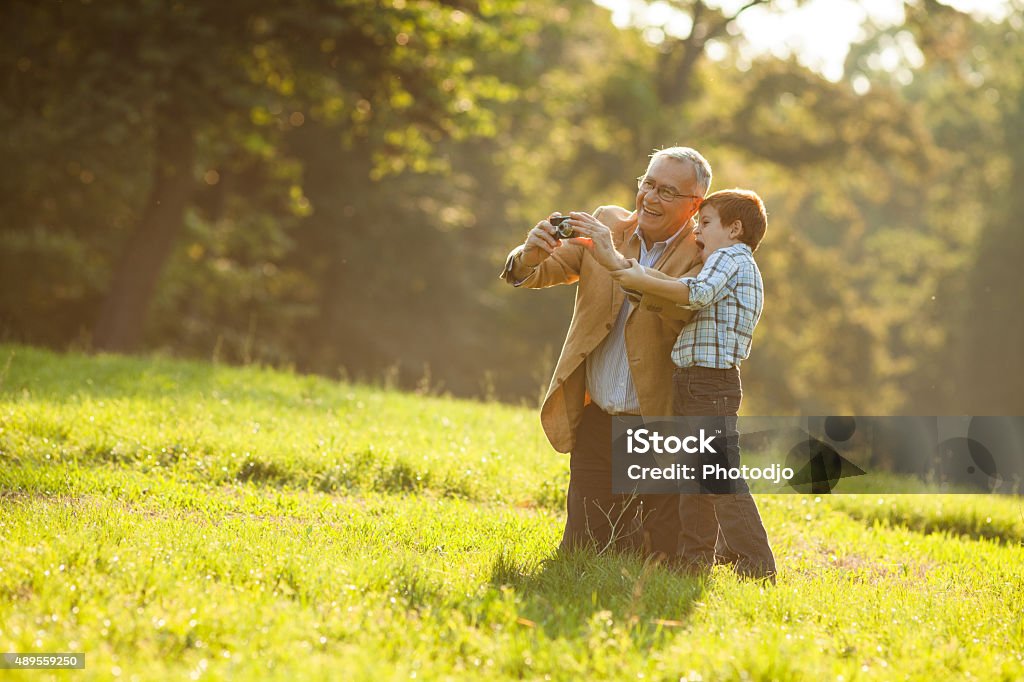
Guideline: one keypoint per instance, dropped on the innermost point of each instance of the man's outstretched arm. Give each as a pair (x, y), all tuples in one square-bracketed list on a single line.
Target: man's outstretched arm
[(560, 266), (543, 260)]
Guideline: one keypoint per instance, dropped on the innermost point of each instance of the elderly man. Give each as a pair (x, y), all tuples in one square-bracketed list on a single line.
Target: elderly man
[(616, 357)]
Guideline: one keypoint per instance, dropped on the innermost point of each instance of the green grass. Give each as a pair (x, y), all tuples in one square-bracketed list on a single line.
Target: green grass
[(176, 519)]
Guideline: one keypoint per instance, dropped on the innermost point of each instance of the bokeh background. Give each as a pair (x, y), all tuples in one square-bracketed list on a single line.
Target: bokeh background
[(332, 186)]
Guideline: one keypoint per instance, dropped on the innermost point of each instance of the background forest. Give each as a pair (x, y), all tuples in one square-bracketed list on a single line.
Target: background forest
[(333, 186)]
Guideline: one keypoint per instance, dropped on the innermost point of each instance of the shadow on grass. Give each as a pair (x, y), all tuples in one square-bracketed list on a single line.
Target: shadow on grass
[(571, 593)]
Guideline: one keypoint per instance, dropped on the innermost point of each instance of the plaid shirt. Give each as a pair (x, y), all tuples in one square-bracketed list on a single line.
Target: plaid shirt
[(729, 295)]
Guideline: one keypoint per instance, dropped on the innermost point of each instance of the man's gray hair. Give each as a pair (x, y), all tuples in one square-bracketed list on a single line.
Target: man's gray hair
[(701, 167)]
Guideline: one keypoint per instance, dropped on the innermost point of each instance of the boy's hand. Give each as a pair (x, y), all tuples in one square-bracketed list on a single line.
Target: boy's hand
[(631, 276)]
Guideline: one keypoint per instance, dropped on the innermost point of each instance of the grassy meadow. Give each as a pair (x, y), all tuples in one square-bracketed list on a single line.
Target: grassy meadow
[(182, 520)]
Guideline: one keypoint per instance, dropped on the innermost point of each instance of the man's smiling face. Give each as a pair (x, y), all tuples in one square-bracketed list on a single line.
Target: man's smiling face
[(657, 218)]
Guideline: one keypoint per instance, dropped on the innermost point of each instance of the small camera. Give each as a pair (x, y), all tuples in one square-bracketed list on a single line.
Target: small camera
[(562, 229)]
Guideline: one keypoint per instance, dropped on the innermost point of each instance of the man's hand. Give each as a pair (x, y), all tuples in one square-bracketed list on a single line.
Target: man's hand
[(630, 277), (540, 243), (597, 237)]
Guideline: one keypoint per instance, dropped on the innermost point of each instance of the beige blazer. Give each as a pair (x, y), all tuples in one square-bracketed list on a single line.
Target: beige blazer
[(651, 329)]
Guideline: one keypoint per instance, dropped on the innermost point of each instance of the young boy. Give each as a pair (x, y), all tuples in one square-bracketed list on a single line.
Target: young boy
[(728, 294)]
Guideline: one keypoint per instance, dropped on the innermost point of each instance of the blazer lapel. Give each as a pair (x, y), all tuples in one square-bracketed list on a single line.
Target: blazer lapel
[(674, 246)]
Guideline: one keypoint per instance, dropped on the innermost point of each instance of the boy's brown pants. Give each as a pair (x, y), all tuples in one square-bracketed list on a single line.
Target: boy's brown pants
[(727, 514)]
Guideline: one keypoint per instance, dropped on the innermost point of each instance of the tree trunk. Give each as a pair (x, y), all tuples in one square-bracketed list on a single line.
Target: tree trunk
[(122, 317)]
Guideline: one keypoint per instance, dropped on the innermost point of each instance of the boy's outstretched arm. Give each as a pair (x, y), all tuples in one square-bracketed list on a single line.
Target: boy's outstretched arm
[(636, 277)]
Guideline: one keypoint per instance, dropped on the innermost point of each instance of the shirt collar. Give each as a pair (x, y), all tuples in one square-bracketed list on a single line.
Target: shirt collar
[(743, 246)]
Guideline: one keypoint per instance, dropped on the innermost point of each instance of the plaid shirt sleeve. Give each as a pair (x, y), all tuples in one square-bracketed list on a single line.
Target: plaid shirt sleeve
[(710, 285)]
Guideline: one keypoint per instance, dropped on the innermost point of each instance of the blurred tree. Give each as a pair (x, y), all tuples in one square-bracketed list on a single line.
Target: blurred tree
[(169, 76), (974, 77), (947, 252)]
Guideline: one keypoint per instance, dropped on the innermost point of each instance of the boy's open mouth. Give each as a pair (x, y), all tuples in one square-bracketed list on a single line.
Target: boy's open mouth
[(700, 244)]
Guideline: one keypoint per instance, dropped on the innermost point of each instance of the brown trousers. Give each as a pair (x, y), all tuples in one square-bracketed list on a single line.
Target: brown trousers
[(726, 517), (600, 519)]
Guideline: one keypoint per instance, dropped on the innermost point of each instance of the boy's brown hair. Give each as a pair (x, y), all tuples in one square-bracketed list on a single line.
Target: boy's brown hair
[(745, 206)]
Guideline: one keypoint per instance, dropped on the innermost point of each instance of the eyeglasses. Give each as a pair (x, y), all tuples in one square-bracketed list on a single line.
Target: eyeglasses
[(664, 192)]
